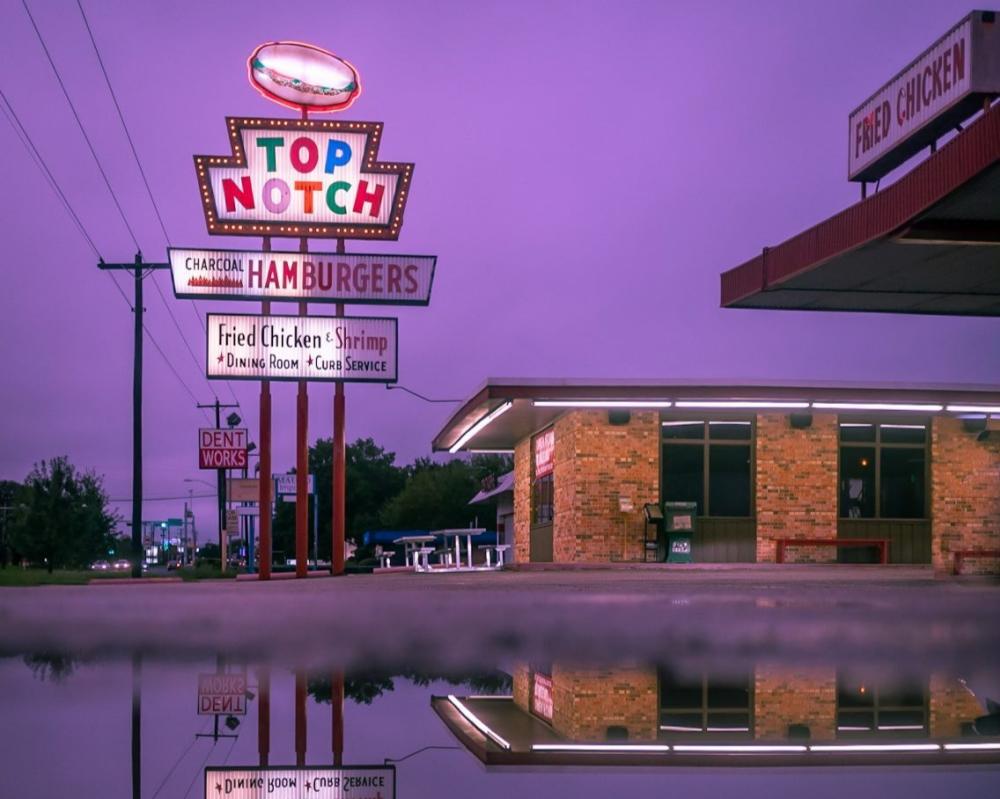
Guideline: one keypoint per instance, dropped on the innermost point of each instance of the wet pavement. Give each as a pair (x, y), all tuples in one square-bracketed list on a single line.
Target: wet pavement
[(763, 681)]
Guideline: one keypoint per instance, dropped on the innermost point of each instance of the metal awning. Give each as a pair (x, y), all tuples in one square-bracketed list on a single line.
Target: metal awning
[(928, 244), (505, 485)]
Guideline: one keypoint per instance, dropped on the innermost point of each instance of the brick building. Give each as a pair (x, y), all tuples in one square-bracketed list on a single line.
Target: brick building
[(917, 466), (561, 714)]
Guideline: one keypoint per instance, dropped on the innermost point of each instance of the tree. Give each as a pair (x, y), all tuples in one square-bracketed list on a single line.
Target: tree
[(436, 496), (63, 517), (10, 497), (372, 480)]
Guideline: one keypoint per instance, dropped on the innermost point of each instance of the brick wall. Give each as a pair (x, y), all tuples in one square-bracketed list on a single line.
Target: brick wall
[(951, 704), (521, 690), (522, 500), (595, 464), (585, 702), (796, 486), (784, 696), (965, 495)]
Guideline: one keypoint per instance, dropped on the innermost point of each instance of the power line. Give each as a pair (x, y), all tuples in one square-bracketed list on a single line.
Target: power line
[(28, 142), (187, 346), (121, 116), (170, 366), (79, 122), (149, 192), (166, 499)]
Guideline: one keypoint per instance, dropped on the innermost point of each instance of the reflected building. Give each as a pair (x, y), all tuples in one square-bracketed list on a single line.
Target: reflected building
[(773, 714)]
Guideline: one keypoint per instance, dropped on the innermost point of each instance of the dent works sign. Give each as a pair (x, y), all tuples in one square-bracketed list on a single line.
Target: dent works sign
[(222, 693), (324, 348), (943, 86), (222, 448), (314, 277), (307, 178), (349, 782)]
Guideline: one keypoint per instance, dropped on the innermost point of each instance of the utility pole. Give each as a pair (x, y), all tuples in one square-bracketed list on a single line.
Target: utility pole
[(139, 270), (221, 479)]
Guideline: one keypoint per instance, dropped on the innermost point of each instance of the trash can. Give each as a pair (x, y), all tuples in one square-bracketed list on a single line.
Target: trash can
[(679, 525)]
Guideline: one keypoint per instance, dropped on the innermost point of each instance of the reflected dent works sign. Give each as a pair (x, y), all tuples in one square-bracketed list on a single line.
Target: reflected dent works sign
[(943, 86), (222, 448), (323, 348), (290, 177), (348, 782), (316, 277), (222, 693)]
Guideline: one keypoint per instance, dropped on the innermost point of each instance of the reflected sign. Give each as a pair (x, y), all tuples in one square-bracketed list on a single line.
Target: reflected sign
[(348, 782)]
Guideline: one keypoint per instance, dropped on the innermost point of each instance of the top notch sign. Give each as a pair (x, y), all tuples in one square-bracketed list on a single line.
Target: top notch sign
[(315, 178), (943, 86)]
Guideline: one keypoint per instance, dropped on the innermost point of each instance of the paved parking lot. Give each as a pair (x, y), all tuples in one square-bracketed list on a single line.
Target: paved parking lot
[(723, 614)]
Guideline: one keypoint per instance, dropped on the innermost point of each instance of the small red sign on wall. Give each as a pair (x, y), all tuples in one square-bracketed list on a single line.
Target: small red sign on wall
[(545, 446)]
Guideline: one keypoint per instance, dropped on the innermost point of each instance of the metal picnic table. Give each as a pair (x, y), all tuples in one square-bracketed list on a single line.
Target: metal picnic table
[(457, 533), (411, 545)]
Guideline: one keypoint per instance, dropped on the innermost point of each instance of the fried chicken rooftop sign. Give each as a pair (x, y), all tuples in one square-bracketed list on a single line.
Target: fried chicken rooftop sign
[(313, 178)]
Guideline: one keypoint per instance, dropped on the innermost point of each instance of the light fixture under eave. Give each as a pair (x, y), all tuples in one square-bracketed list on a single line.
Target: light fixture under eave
[(602, 404), (747, 749), (605, 748), (874, 747), (467, 436), (972, 408), (475, 721), (741, 404), (878, 406)]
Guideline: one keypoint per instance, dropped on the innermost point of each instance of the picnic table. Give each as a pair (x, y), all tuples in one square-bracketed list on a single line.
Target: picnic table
[(457, 533), (412, 546)]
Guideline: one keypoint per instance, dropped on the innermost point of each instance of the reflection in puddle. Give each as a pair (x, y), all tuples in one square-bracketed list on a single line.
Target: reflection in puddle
[(227, 728), (559, 714)]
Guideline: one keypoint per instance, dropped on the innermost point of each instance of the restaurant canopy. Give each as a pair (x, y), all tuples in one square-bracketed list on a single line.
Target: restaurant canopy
[(927, 244), (505, 411)]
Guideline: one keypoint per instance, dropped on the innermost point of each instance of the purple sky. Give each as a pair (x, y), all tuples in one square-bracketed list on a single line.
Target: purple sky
[(584, 171)]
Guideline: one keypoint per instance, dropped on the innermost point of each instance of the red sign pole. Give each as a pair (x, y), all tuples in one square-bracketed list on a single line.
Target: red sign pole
[(264, 714), (300, 717), (302, 465), (264, 498), (339, 467), (337, 706), (302, 454)]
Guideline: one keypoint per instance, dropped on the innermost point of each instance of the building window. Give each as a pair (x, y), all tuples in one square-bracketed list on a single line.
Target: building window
[(867, 708), (705, 705), (883, 469), (542, 483), (709, 463)]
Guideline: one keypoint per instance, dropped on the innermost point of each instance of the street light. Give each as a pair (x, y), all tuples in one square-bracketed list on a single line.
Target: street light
[(194, 530)]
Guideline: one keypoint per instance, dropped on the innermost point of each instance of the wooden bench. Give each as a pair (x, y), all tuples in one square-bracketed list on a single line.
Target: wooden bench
[(962, 554), (882, 544)]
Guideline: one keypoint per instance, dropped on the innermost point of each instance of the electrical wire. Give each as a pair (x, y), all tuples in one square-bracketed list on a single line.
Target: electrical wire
[(165, 499), (177, 762), (28, 142), (79, 122), (114, 196), (121, 116)]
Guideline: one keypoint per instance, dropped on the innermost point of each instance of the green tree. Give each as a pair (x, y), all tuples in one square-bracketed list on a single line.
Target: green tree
[(63, 517), (373, 478), (436, 495), (10, 497)]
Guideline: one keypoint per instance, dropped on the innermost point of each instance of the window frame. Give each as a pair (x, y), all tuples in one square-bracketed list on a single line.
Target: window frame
[(878, 445), (707, 442)]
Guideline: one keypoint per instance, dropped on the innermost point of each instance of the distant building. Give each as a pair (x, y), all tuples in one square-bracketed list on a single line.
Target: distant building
[(500, 491)]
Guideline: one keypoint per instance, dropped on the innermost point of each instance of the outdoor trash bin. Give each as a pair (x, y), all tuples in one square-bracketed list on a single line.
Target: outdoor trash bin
[(679, 525)]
